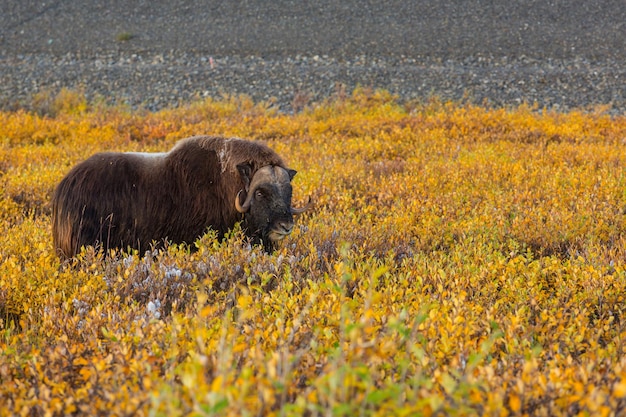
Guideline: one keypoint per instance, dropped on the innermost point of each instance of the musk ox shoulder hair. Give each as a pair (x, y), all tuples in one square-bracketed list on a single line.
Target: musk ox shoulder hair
[(135, 200)]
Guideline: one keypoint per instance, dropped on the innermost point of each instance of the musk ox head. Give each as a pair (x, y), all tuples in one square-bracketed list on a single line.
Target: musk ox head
[(266, 203)]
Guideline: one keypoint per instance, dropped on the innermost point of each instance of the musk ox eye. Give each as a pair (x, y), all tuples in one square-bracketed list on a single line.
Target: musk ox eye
[(259, 194)]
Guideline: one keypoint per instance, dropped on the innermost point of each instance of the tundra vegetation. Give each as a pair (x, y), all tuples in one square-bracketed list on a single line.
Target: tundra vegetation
[(458, 260)]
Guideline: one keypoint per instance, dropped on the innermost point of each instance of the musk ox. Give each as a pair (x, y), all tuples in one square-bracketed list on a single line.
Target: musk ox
[(135, 200)]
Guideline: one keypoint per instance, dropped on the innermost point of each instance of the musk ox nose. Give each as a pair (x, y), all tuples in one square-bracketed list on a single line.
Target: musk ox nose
[(286, 227), (280, 229)]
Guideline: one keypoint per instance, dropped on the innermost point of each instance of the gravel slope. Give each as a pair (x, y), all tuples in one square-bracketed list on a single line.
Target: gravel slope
[(559, 54)]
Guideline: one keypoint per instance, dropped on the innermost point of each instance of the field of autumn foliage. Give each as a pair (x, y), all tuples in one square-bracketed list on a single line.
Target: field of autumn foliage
[(458, 260)]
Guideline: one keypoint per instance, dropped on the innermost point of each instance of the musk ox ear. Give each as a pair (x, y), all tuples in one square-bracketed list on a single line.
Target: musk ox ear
[(245, 170), (292, 173)]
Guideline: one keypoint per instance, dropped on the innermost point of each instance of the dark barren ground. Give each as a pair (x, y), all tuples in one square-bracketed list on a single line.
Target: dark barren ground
[(558, 54)]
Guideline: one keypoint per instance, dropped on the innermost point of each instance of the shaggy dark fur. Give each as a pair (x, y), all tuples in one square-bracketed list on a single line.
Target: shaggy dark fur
[(122, 200)]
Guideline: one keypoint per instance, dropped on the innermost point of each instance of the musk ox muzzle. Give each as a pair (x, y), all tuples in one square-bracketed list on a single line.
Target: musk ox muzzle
[(137, 200)]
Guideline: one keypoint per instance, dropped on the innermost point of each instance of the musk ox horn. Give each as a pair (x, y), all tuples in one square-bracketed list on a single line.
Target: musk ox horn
[(302, 209), (246, 204)]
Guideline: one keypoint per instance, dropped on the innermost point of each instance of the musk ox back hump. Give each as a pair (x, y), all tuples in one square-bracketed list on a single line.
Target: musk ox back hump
[(133, 200)]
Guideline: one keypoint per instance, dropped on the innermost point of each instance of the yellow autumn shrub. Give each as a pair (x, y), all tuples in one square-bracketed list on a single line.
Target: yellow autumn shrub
[(458, 260)]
